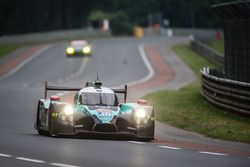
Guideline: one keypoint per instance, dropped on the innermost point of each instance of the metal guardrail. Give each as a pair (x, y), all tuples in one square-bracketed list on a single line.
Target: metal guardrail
[(51, 36), (225, 93), (208, 52)]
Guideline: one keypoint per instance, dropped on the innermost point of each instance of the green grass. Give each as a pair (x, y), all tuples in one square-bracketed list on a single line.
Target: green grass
[(7, 48), (217, 45), (187, 109)]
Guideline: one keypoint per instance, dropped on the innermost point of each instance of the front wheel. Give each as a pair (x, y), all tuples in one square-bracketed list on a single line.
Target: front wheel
[(52, 131), (41, 132), (37, 124), (51, 128)]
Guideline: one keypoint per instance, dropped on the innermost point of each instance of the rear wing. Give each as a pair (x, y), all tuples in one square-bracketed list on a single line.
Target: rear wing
[(58, 88), (122, 91)]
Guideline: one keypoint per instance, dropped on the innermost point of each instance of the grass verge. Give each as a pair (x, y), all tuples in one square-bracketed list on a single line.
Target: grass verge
[(187, 109), (217, 45), (7, 48)]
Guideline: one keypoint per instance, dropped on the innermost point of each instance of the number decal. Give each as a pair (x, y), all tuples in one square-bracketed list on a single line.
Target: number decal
[(105, 114)]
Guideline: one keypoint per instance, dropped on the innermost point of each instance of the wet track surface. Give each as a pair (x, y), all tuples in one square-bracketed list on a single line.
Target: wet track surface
[(117, 61)]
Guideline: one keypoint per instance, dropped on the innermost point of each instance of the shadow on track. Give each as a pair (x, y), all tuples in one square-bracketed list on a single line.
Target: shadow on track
[(119, 137)]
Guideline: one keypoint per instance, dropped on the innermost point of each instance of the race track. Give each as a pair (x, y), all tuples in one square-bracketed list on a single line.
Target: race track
[(117, 61)]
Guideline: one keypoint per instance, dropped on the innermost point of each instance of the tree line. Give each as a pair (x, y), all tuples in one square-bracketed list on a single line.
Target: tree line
[(24, 16)]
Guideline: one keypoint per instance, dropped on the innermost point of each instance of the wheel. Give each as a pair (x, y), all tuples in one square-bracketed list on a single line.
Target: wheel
[(152, 127), (37, 123), (41, 132), (52, 132), (51, 129)]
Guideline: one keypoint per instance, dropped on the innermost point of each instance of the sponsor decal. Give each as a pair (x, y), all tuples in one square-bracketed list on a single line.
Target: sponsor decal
[(103, 112), (54, 115)]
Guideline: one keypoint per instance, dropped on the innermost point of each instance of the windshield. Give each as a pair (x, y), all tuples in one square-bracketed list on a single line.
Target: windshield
[(78, 46), (108, 99)]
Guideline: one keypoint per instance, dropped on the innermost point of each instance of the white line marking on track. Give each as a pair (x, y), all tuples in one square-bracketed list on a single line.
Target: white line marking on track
[(30, 160), (76, 74), (172, 148), (5, 155), (136, 142), (148, 65), (37, 161), (62, 165), (212, 153), (25, 61), (80, 71)]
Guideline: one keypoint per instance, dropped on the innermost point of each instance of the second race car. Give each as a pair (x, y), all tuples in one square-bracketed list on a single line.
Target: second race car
[(78, 47)]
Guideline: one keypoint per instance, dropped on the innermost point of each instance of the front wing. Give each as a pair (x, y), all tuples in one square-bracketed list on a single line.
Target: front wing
[(85, 125)]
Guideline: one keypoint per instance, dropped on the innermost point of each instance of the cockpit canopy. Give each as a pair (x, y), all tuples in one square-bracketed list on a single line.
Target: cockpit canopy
[(98, 98)]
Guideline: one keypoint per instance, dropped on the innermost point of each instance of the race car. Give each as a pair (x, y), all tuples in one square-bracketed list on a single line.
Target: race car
[(95, 110), (78, 47)]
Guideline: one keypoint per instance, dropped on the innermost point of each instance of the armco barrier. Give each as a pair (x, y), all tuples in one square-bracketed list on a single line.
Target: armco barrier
[(225, 93), (51, 36), (208, 52)]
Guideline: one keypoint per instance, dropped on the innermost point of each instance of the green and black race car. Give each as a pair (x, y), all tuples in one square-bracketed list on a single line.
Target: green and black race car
[(96, 110)]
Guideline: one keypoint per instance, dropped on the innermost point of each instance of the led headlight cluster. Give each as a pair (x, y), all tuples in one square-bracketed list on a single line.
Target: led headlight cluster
[(70, 50), (86, 49), (68, 110), (140, 113)]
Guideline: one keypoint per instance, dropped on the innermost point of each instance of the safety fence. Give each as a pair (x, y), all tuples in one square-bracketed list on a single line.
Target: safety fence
[(225, 93), (208, 52)]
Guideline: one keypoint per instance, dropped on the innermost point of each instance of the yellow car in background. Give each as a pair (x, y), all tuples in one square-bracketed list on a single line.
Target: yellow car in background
[(78, 47)]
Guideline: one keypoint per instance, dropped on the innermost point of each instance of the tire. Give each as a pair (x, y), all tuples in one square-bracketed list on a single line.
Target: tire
[(152, 131), (52, 132), (152, 128), (41, 132), (37, 123), (51, 129)]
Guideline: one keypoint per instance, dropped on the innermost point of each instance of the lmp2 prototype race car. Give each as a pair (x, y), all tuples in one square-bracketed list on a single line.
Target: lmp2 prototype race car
[(95, 110), (78, 47)]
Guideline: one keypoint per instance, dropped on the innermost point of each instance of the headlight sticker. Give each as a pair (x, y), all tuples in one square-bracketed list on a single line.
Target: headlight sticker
[(54, 115)]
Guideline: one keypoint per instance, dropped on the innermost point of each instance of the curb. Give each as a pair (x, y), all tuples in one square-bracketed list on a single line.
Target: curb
[(11, 64)]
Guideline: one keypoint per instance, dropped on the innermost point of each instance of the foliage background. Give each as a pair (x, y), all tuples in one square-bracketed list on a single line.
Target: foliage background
[(23, 16)]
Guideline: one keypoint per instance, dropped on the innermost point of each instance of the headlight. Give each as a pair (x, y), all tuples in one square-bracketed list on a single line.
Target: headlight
[(68, 110), (140, 113), (86, 49), (70, 50)]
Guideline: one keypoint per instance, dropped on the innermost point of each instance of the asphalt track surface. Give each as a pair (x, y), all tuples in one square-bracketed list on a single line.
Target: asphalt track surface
[(117, 61)]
